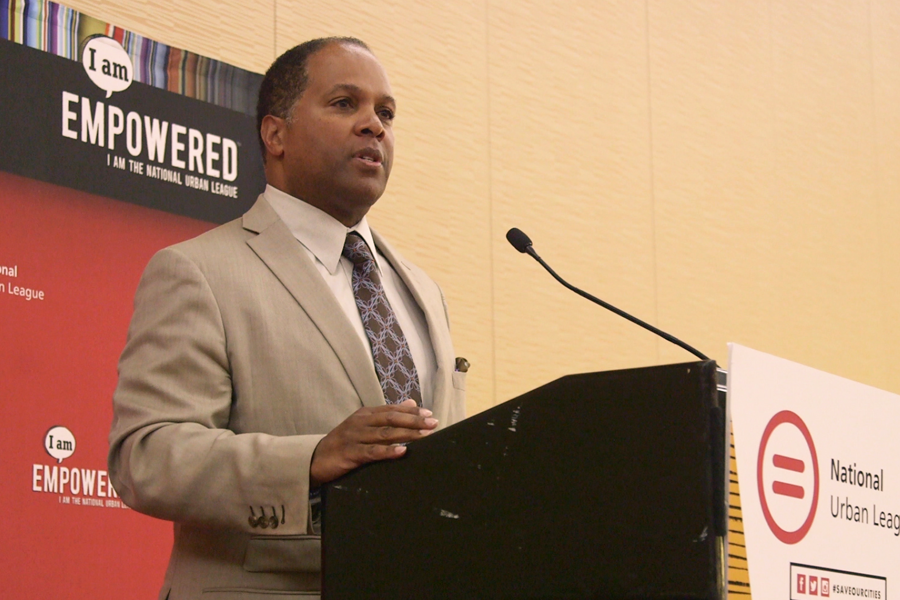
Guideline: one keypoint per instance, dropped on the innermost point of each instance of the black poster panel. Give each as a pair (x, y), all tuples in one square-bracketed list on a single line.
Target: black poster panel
[(142, 145)]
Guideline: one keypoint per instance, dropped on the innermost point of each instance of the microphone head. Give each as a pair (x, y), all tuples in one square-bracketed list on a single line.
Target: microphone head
[(518, 239)]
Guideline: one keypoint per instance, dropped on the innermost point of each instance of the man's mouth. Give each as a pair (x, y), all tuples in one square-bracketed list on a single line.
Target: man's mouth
[(370, 156)]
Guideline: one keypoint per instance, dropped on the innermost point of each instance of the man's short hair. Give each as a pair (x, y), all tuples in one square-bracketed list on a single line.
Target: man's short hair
[(288, 77)]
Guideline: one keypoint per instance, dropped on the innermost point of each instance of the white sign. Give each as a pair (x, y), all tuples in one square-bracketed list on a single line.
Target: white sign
[(819, 477), (107, 64), (59, 443)]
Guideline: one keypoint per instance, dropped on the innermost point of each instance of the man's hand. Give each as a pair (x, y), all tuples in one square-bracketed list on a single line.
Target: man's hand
[(368, 435)]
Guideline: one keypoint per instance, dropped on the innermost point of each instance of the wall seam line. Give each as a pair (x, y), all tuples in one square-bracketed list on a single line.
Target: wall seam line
[(490, 191), (879, 188), (653, 228)]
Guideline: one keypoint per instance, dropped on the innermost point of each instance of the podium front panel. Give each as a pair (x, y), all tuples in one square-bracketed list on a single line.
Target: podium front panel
[(601, 485)]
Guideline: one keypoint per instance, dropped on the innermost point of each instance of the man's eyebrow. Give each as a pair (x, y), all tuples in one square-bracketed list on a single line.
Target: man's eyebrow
[(355, 89)]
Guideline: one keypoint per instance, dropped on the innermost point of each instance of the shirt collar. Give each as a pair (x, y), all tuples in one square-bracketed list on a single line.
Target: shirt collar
[(319, 232)]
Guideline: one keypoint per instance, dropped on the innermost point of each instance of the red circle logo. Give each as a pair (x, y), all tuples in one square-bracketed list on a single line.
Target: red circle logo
[(787, 477)]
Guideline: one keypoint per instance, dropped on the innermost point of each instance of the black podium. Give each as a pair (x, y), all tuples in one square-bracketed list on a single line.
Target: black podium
[(601, 485)]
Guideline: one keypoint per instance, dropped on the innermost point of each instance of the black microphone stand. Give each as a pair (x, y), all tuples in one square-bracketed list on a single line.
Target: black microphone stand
[(522, 243)]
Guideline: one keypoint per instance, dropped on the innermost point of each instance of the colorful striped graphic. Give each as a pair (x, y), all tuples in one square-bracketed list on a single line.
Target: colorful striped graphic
[(53, 28)]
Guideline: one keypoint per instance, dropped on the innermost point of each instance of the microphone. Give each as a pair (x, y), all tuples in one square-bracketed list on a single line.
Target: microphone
[(521, 242)]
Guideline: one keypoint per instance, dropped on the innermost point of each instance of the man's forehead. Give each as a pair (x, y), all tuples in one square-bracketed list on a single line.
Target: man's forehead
[(342, 64)]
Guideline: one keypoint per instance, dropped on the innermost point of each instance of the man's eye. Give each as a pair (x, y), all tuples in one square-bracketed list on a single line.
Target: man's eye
[(342, 103), (386, 114)]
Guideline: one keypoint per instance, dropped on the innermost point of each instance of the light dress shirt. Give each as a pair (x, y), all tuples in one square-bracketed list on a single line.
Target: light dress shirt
[(322, 236)]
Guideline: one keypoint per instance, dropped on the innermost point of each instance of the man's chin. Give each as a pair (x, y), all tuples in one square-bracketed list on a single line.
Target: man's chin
[(353, 204), (367, 193)]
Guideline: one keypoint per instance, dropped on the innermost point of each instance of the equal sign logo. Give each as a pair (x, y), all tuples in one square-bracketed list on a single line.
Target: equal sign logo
[(787, 474), (789, 464)]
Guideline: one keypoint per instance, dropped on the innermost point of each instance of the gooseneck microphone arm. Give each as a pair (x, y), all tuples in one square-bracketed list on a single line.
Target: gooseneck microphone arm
[(522, 243)]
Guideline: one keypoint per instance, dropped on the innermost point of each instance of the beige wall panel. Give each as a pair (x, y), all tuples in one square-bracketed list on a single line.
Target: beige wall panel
[(436, 208), (570, 167), (824, 176), (763, 156), (225, 29), (885, 19), (711, 134)]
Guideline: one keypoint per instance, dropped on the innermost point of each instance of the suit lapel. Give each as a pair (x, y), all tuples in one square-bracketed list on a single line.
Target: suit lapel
[(435, 316), (284, 256)]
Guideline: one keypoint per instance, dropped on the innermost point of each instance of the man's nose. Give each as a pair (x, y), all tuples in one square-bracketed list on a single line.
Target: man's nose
[(370, 124)]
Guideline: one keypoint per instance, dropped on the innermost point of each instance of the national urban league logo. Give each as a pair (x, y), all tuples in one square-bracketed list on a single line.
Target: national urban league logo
[(787, 477), (59, 443), (107, 64)]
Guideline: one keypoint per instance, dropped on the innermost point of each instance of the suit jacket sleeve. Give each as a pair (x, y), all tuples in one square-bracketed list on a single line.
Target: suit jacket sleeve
[(173, 451)]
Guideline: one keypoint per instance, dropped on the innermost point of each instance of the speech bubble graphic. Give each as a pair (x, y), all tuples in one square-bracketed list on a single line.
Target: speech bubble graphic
[(107, 64), (59, 443)]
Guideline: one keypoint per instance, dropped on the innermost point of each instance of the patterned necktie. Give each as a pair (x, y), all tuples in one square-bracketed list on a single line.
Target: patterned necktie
[(393, 360)]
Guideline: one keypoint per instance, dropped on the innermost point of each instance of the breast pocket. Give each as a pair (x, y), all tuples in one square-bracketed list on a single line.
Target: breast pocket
[(459, 380)]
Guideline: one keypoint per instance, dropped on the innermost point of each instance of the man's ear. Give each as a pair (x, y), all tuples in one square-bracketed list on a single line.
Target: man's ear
[(272, 132)]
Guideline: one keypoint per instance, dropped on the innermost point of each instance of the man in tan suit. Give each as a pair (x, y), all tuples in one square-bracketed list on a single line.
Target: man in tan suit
[(248, 378)]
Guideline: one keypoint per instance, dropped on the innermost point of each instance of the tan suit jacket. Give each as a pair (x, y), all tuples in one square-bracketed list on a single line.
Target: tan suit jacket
[(238, 361)]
